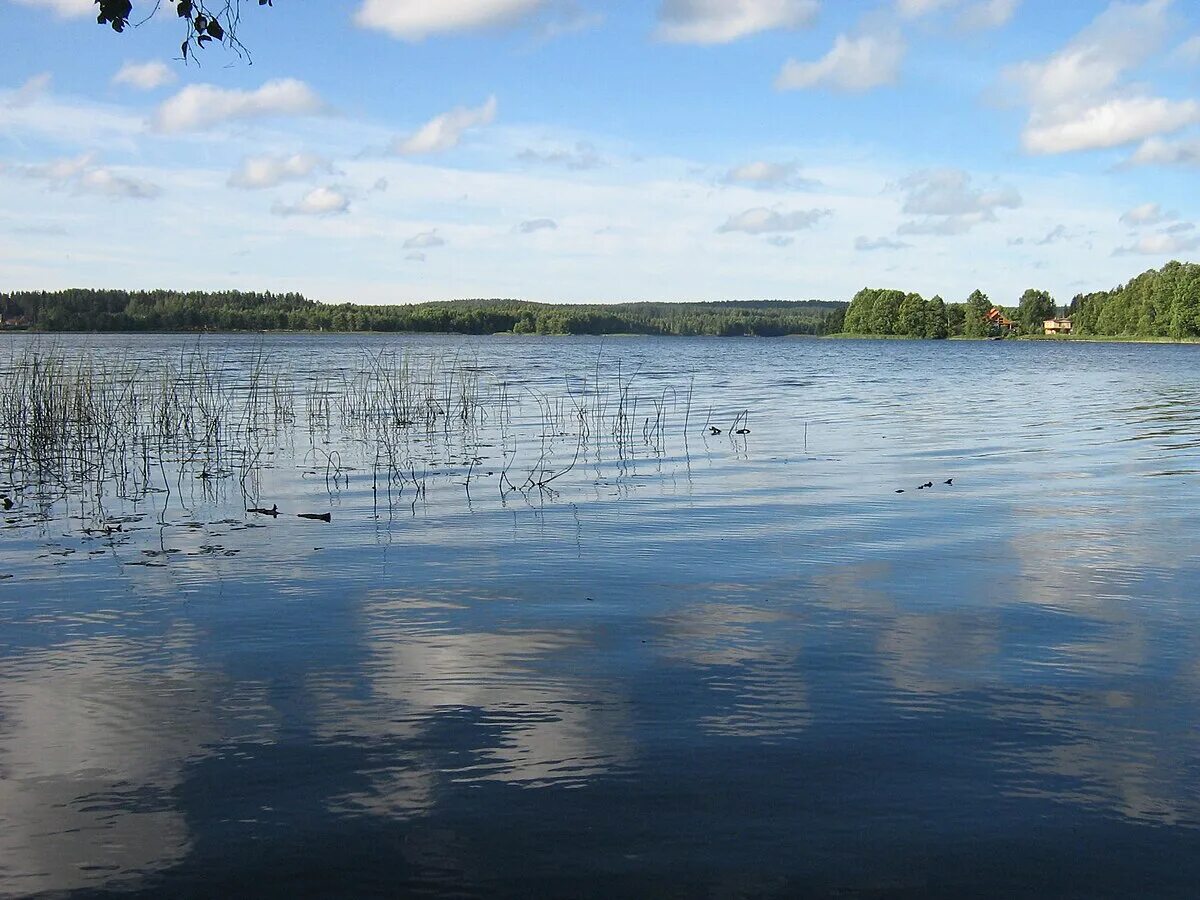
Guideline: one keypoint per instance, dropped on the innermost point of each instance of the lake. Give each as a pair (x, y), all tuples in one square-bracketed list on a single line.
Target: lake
[(559, 638)]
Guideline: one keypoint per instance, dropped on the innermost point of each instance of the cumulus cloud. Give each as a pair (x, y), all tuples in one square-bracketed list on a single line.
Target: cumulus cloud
[(762, 174), (947, 202), (852, 64), (445, 131), (321, 201), (146, 76), (1095, 60), (761, 220), (865, 244), (257, 172), (1160, 244), (1188, 52), (201, 106), (106, 182), (532, 225), (1078, 98), (29, 91), (722, 21), (415, 20), (81, 175), (424, 240), (64, 9), (978, 15), (1161, 152), (988, 14), (582, 156), (1147, 214), (912, 9), (1112, 124), (1056, 234)]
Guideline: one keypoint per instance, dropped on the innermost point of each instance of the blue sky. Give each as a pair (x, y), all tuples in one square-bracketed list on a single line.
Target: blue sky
[(573, 150)]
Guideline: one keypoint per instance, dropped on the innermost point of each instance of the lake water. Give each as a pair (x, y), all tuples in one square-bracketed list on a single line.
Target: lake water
[(685, 664)]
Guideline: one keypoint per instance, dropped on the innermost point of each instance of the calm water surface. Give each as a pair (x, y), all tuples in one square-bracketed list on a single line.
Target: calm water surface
[(693, 665)]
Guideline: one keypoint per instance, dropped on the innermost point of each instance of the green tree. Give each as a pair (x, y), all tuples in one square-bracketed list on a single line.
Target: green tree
[(956, 314), (1034, 309), (975, 322), (936, 322), (910, 317), (885, 313)]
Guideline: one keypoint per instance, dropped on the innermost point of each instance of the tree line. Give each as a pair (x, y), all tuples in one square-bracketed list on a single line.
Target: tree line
[(1160, 303), (115, 310), (895, 313)]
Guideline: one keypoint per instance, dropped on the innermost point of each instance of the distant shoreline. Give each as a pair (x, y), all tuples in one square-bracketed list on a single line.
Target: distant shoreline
[(841, 336), (1045, 338)]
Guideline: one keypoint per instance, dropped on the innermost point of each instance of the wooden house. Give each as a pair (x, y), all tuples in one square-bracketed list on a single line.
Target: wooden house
[(1000, 321)]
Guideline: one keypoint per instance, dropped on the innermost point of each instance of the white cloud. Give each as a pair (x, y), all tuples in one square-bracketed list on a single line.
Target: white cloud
[(532, 225), (1147, 214), (722, 21), (146, 76), (1095, 60), (258, 172), (321, 201), (947, 203), (64, 9), (1055, 235), (762, 174), (1111, 124), (865, 244), (582, 156), (1077, 97), (987, 14), (445, 131), (82, 175), (69, 121), (204, 105), (913, 9), (761, 220), (424, 240), (415, 20), (29, 91), (1188, 52), (853, 64), (104, 181), (1161, 244), (1157, 151)]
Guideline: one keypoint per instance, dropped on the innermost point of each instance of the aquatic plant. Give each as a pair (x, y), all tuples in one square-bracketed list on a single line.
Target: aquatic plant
[(86, 426)]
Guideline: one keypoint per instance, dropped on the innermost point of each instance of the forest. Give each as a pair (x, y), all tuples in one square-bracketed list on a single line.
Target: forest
[(1160, 303), (115, 310)]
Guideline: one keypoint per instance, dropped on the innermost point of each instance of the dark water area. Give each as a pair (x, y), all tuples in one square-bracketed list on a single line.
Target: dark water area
[(689, 665)]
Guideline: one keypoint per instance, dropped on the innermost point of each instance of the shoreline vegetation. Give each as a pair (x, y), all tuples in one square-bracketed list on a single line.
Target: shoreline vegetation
[(98, 429), (1160, 305)]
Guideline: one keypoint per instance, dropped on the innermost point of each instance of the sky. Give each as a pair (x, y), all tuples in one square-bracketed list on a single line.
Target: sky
[(389, 151)]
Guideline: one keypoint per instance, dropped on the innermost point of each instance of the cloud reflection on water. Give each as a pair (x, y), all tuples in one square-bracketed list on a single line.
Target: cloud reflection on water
[(534, 720)]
